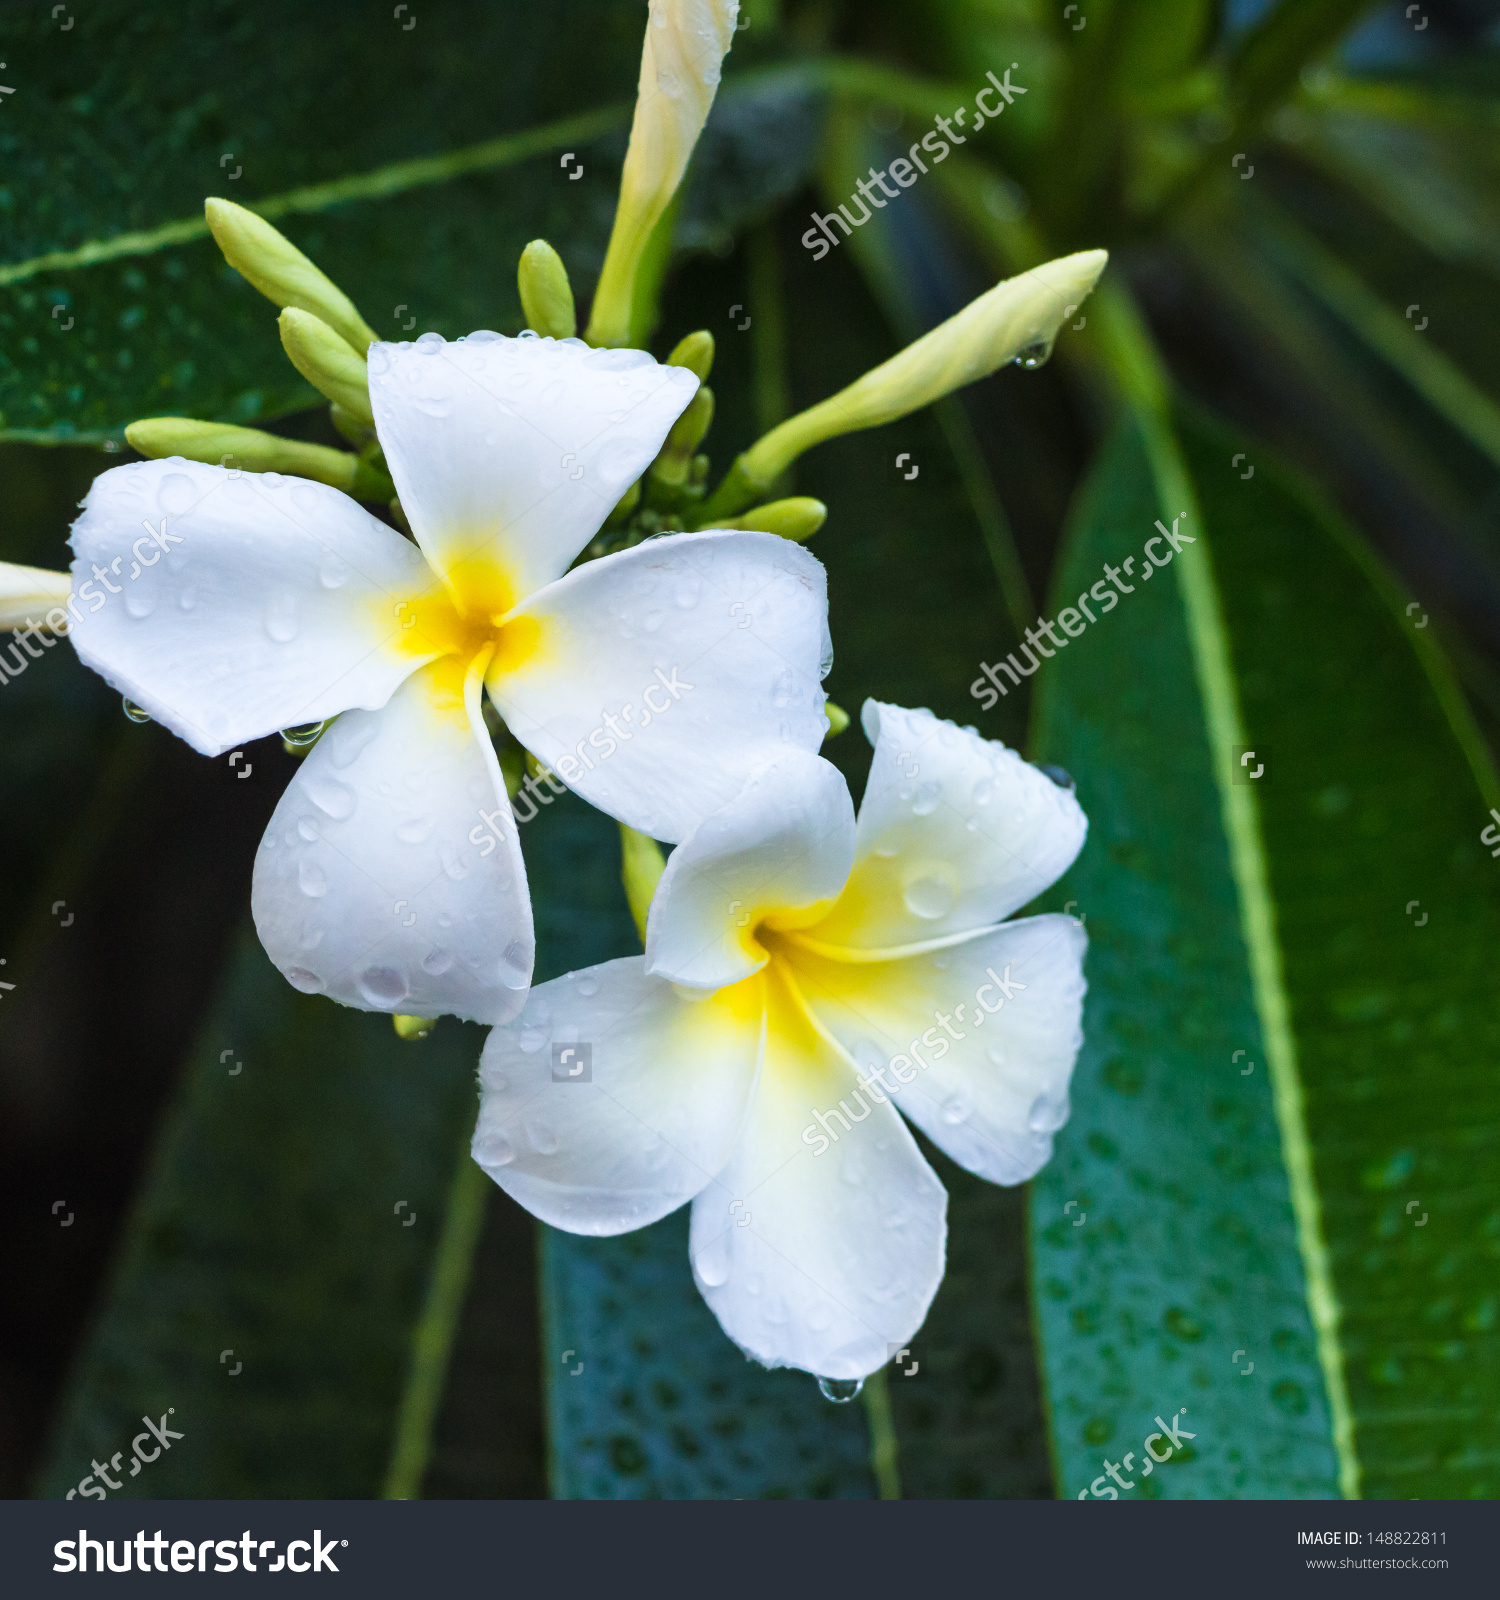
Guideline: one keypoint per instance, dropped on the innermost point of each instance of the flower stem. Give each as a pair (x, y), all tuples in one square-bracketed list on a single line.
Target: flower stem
[(884, 1448)]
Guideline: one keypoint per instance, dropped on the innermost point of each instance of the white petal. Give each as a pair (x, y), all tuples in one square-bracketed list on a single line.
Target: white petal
[(990, 1087), (27, 594), (510, 453), (637, 1118), (237, 603), (663, 676), (783, 845), (828, 1261), (955, 833), (390, 877)]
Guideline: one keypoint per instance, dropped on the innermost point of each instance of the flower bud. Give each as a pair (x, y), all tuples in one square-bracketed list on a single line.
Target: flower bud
[(250, 450), (546, 294), (259, 253), (27, 594), (412, 1028), (686, 42), (676, 457), (1015, 317), (798, 518), (838, 719), (641, 867), (696, 353), (327, 362)]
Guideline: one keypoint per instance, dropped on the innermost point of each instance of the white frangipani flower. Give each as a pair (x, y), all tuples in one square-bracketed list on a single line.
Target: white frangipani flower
[(805, 976), (233, 604)]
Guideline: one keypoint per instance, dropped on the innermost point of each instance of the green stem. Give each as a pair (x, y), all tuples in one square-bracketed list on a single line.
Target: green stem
[(432, 1342), (768, 329), (1133, 359), (884, 1448)]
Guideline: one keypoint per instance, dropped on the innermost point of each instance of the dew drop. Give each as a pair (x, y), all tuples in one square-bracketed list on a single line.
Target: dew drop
[(301, 978), (996, 1053), (187, 599), (436, 962), (515, 964), (541, 1138), (499, 1152), (588, 985), (531, 1040), (927, 798), (133, 711), (1060, 776), (929, 897), (331, 797), (139, 602), (333, 573), (281, 618), (311, 879), (350, 735), (1047, 1115), (382, 986), (840, 1391), (1034, 355), (177, 493), (783, 690), (686, 594), (302, 735), (956, 1109), (417, 830), (984, 791), (308, 829), (430, 343)]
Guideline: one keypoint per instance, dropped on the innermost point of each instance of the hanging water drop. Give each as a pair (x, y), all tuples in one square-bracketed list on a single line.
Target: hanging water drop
[(1060, 776), (133, 711), (840, 1390), (1034, 355), (302, 737)]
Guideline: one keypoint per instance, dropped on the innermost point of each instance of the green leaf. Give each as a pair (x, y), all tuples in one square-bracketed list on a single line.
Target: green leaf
[(377, 152), (1273, 1215), (274, 1224)]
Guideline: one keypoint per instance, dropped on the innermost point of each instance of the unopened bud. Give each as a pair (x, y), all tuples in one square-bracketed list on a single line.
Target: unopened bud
[(327, 362), (837, 717), (1021, 314), (798, 518), (676, 458), (361, 436), (250, 450), (696, 353), (413, 1027), (270, 261), (27, 594), (641, 867), (546, 294)]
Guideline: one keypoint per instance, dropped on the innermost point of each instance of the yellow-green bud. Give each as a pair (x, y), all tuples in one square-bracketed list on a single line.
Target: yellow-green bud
[(624, 506), (696, 353), (838, 719), (327, 362), (546, 294), (413, 1027), (259, 253), (250, 450), (1021, 314), (356, 432), (27, 594), (641, 867), (676, 457), (797, 518)]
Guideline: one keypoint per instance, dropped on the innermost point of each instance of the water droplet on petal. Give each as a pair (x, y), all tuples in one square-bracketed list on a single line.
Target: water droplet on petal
[(541, 1138), (301, 978), (712, 1262), (333, 573), (498, 1152), (308, 829), (139, 602), (311, 879), (531, 1040), (956, 1109), (840, 1390), (281, 618), (436, 962), (1060, 776), (516, 963), (382, 986), (1047, 1115), (588, 985), (302, 735), (984, 791), (331, 797), (996, 1053), (177, 493), (929, 896), (927, 799), (416, 830), (133, 711)]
